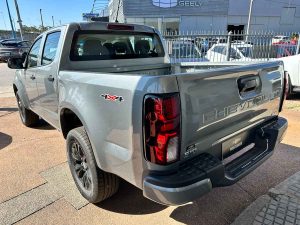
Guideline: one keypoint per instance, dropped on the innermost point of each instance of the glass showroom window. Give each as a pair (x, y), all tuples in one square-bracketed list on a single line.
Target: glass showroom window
[(136, 21), (152, 22), (165, 3), (171, 25)]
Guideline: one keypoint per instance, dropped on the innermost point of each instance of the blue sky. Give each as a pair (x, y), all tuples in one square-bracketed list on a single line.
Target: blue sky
[(64, 10)]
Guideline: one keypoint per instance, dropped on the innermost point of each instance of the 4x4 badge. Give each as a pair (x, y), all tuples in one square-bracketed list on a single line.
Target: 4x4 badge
[(112, 98)]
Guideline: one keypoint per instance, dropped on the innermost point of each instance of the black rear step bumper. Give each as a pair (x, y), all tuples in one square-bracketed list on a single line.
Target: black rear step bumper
[(198, 176)]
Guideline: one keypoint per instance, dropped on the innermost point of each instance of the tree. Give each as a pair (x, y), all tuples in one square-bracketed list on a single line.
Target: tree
[(31, 29)]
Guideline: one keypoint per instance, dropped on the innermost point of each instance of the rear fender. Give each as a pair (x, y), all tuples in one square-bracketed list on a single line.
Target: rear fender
[(67, 105)]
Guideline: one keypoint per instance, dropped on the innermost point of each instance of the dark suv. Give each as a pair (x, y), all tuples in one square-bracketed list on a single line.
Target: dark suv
[(12, 48)]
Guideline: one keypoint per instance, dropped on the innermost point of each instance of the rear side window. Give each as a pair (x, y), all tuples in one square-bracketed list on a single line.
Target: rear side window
[(99, 45), (34, 54), (50, 48)]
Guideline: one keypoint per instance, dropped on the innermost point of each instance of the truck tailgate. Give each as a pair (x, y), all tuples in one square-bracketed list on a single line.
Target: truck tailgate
[(220, 104)]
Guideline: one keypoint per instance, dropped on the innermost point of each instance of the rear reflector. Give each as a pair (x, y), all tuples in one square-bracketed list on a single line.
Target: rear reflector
[(162, 128), (119, 27)]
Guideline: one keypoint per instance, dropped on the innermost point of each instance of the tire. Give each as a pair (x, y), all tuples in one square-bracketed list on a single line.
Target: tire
[(28, 118), (97, 185), (290, 92)]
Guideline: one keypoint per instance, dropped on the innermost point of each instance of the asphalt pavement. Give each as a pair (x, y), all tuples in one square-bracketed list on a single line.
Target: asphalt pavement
[(37, 188), (6, 79)]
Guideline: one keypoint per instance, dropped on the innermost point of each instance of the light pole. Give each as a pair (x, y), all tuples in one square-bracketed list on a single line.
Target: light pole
[(11, 22), (19, 19), (249, 19), (42, 19), (52, 21)]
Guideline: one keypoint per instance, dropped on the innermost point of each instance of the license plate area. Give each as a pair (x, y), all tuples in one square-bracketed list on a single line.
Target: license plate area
[(235, 144)]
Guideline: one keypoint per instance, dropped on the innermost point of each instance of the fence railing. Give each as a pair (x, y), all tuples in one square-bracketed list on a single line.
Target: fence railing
[(220, 47)]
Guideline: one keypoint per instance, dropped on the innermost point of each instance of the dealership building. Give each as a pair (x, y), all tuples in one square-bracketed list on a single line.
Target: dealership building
[(208, 15)]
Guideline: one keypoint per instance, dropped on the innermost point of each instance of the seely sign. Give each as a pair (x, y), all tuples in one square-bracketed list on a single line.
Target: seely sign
[(173, 3)]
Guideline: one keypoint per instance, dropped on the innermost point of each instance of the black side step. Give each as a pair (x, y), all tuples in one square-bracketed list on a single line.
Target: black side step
[(243, 163), (265, 141)]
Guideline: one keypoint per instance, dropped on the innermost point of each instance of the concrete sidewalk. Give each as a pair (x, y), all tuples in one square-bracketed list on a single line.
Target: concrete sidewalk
[(281, 205)]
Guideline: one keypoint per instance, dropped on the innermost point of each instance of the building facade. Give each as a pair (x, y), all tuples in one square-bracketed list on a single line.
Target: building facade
[(208, 15)]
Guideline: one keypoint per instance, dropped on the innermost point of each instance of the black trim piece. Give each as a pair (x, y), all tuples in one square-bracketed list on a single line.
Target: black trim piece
[(44, 44)]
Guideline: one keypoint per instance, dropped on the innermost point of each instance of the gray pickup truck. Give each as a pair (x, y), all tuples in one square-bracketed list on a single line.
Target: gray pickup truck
[(173, 131)]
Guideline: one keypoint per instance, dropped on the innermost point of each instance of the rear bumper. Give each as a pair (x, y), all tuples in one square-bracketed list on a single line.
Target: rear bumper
[(198, 176)]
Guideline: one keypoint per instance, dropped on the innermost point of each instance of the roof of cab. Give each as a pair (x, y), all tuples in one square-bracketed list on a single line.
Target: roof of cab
[(104, 26)]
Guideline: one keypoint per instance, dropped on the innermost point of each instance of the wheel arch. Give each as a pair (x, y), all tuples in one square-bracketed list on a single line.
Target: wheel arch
[(19, 88), (71, 118)]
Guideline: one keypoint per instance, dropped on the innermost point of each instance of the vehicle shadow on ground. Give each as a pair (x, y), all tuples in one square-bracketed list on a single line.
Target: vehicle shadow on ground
[(5, 140), (43, 125), (222, 205), (294, 97), (209, 209), (8, 109), (130, 200)]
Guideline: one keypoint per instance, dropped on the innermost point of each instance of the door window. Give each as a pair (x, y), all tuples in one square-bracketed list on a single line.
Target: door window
[(34, 54), (50, 48)]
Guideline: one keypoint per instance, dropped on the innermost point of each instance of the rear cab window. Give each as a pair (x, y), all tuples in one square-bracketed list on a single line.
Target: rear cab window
[(108, 45)]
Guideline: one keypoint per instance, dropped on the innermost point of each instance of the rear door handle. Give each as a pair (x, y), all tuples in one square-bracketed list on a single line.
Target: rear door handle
[(51, 78), (248, 84), (32, 77)]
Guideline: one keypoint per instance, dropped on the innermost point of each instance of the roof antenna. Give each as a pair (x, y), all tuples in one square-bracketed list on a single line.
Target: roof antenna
[(116, 21)]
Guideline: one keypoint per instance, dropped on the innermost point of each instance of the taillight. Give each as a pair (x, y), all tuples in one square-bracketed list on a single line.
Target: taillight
[(162, 128), (285, 89)]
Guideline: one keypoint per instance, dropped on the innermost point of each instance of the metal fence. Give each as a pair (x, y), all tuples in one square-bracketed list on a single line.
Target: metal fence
[(220, 47)]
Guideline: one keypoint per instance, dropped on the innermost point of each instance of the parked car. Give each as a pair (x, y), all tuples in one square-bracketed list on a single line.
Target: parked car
[(285, 49), (185, 51), (292, 66), (242, 42), (13, 49), (125, 111), (280, 38), (238, 52)]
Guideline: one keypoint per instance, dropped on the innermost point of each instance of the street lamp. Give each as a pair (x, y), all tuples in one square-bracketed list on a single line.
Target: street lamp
[(249, 19), (11, 22), (42, 19), (19, 19), (53, 21)]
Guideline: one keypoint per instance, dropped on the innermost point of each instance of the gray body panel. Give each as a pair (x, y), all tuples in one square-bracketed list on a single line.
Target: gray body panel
[(212, 109)]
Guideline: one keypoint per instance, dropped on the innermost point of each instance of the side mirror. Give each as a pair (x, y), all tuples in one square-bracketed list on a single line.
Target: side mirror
[(15, 63)]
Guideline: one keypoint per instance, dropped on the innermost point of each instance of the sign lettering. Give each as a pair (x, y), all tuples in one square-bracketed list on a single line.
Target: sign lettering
[(173, 3)]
